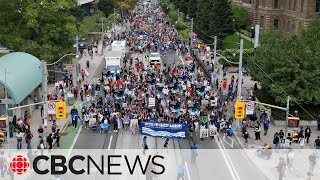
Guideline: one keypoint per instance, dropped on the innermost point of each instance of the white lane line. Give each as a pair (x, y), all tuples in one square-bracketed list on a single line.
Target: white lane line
[(74, 141), (109, 146), (188, 173), (230, 144), (226, 160), (229, 161)]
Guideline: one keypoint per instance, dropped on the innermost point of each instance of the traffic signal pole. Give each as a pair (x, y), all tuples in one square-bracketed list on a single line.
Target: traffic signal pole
[(286, 109), (45, 95), (239, 79)]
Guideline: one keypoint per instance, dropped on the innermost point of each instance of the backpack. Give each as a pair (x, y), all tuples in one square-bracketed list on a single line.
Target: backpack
[(317, 142), (29, 136)]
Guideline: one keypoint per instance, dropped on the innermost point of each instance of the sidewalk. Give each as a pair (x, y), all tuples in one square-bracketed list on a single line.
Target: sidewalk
[(36, 119)]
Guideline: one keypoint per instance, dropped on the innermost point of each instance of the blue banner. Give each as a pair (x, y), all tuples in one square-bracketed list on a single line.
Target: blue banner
[(165, 130)]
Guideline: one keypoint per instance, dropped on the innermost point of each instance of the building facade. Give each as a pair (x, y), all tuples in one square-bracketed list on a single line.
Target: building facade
[(283, 15)]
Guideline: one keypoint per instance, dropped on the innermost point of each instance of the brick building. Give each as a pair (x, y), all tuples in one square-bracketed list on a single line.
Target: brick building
[(283, 15)]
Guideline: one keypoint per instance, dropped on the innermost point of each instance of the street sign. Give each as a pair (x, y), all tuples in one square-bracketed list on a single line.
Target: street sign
[(51, 106), (249, 108), (69, 68)]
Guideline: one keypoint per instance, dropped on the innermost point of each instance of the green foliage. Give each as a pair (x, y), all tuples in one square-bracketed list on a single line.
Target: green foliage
[(106, 6), (185, 33), (213, 18), (180, 26), (240, 15), (46, 29), (173, 15), (192, 8), (292, 62)]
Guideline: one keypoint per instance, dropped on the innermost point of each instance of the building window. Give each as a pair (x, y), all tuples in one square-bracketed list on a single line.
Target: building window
[(276, 24), (294, 5), (276, 4), (284, 4), (263, 3), (302, 6), (262, 21), (318, 6)]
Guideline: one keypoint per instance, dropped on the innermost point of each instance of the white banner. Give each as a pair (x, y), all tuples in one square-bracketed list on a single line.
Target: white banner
[(249, 108), (51, 106)]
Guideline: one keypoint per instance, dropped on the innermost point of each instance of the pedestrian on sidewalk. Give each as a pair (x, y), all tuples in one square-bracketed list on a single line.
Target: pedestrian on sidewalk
[(281, 167), (266, 123), (50, 140), (301, 142), (181, 171), (312, 162), (19, 136), (317, 145), (290, 159), (58, 136), (281, 135), (307, 133), (276, 141), (246, 139), (144, 144), (28, 137), (257, 132)]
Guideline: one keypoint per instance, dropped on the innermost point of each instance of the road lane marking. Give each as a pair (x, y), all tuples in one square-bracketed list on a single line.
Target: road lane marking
[(109, 146), (224, 155), (74, 141), (188, 173), (232, 141)]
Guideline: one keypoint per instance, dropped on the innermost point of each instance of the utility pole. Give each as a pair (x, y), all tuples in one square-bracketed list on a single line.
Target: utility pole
[(44, 92), (191, 33), (239, 78), (287, 115), (178, 14), (256, 36), (215, 52), (77, 77), (7, 106), (214, 59), (102, 33)]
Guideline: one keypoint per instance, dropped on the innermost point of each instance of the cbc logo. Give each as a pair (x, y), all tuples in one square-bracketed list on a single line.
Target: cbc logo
[(19, 164)]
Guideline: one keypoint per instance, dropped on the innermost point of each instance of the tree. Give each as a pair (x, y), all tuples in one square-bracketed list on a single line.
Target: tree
[(221, 23), (240, 15), (106, 6), (289, 62), (192, 8), (45, 29)]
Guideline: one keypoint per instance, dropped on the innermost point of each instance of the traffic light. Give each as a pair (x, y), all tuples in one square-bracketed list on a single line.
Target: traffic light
[(61, 110), (239, 110)]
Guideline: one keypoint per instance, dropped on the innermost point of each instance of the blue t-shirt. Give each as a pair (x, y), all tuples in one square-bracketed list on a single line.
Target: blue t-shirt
[(181, 169)]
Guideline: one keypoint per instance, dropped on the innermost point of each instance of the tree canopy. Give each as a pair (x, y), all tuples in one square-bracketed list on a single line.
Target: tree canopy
[(106, 6), (240, 15), (292, 61), (46, 29)]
